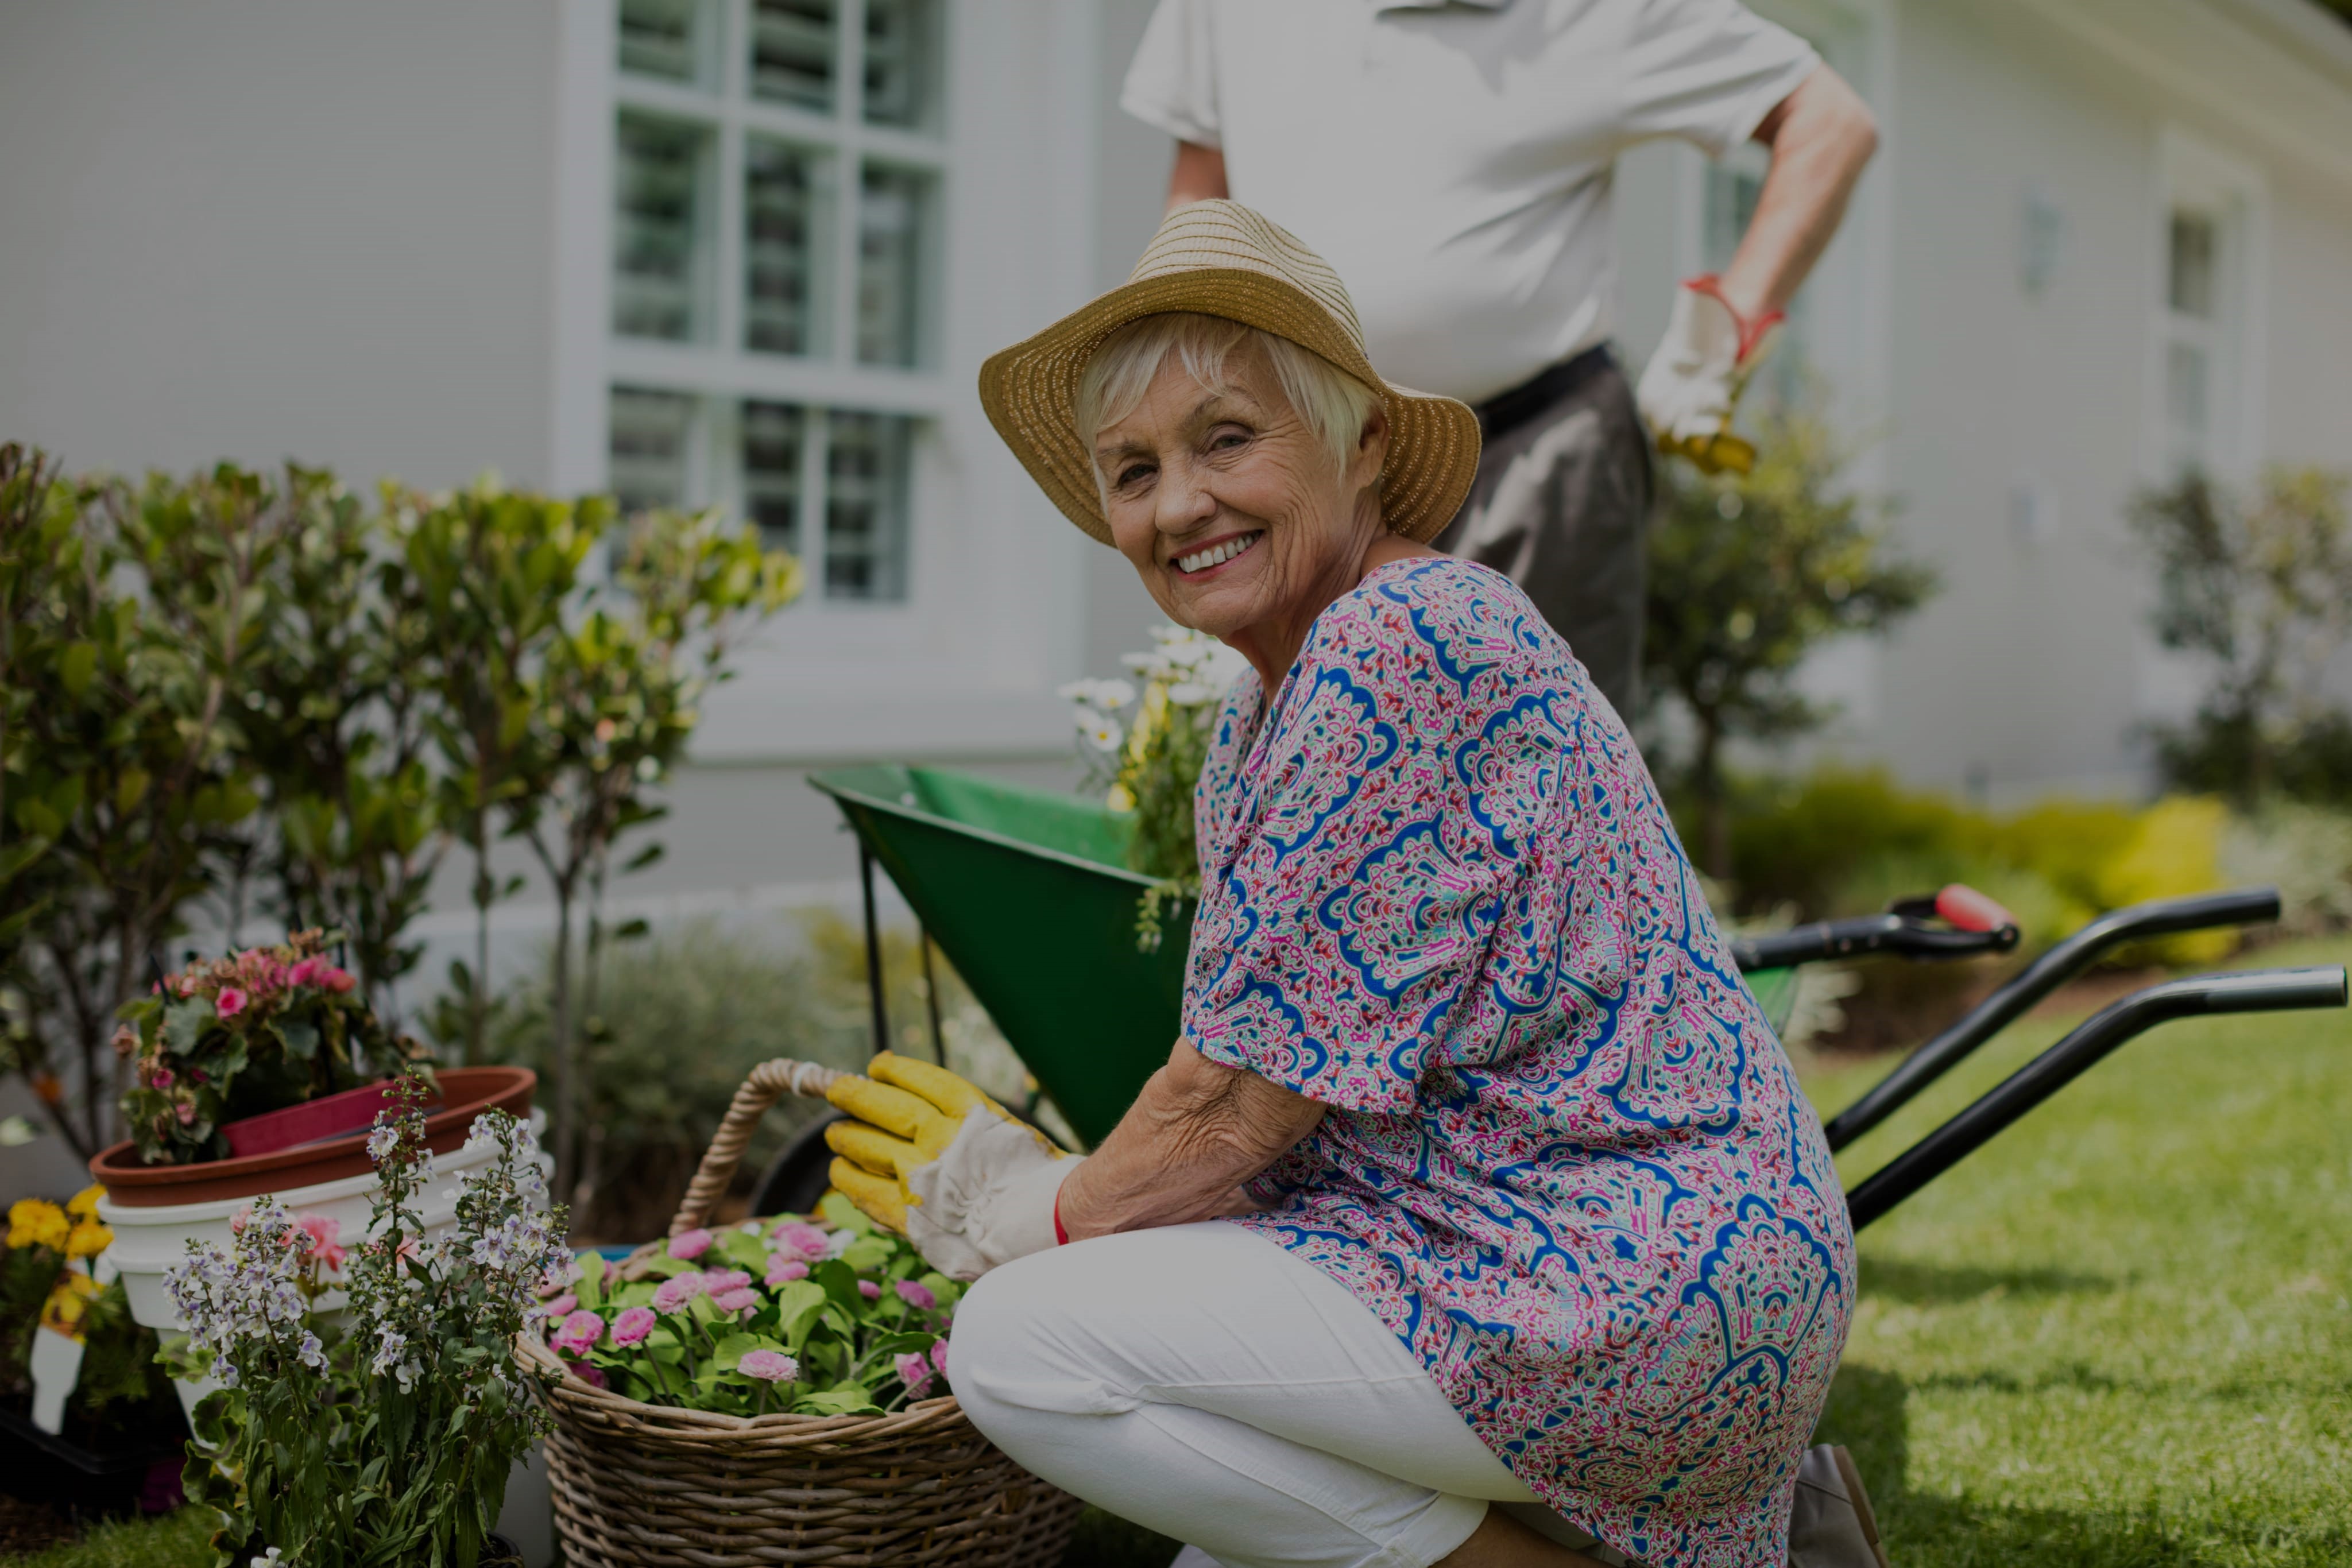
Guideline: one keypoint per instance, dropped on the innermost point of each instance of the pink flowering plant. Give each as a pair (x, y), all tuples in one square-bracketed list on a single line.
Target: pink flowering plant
[(831, 1318), (234, 1037), (386, 1437)]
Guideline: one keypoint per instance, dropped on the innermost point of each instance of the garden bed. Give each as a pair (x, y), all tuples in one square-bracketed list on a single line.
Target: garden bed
[(2117, 1338)]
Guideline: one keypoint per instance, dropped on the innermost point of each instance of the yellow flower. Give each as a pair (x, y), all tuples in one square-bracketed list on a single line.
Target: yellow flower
[(88, 1240), (35, 1222), (70, 1303), (83, 1204)]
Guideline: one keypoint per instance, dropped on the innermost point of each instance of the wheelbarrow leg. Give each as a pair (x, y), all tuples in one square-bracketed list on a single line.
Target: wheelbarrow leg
[(931, 996), (873, 950)]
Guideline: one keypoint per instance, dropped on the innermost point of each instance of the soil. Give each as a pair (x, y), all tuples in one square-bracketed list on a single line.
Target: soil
[(29, 1527)]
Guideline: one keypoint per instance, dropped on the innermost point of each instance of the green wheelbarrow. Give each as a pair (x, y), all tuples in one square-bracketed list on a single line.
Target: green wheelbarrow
[(1028, 894)]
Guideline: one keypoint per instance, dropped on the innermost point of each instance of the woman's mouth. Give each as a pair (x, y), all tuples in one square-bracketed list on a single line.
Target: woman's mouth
[(1217, 554)]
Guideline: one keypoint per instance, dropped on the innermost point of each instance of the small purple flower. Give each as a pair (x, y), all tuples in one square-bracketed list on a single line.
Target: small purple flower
[(633, 1325), (800, 1237), (673, 1293), (915, 1295), (869, 1290), (769, 1366), (686, 1249), (915, 1373), (741, 1300), (718, 1282), (783, 1267)]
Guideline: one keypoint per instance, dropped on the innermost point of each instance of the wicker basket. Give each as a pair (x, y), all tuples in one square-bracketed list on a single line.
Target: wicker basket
[(646, 1484)]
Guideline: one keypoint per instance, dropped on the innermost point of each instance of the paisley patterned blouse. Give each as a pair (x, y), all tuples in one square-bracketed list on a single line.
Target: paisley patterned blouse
[(1565, 1158)]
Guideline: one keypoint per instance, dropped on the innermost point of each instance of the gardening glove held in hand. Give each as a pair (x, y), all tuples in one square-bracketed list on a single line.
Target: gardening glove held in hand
[(933, 1158), (1692, 387)]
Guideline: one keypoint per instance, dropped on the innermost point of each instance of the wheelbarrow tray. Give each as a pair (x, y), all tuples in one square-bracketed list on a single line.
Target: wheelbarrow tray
[(1028, 894)]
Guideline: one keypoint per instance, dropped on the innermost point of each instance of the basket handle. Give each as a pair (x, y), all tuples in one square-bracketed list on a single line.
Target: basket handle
[(768, 1082)]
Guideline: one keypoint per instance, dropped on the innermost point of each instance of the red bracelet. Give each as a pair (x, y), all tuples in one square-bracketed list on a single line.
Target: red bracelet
[(1060, 1237)]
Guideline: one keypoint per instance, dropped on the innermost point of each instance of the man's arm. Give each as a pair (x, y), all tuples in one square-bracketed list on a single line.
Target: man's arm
[(1200, 175), (1195, 1134), (1821, 135)]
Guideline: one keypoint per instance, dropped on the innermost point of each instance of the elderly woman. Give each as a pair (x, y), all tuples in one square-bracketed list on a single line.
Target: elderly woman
[(1475, 1217)]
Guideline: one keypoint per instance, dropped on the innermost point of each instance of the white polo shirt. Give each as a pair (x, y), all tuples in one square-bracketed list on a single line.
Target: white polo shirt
[(1453, 161)]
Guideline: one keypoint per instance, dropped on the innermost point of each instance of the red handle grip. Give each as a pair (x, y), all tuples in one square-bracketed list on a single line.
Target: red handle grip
[(1969, 909)]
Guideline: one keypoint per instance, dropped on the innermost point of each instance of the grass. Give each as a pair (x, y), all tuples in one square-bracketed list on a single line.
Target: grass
[(2120, 1336), (173, 1541)]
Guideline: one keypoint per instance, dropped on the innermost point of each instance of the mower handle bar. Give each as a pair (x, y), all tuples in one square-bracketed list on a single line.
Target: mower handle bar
[(1899, 930), (2159, 917), (2256, 991)]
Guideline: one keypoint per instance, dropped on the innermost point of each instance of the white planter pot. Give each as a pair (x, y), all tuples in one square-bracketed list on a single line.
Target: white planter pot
[(56, 1368), (147, 1241)]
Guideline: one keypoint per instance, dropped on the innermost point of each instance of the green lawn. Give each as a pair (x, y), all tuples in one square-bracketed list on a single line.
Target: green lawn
[(2120, 1334), (2118, 1337)]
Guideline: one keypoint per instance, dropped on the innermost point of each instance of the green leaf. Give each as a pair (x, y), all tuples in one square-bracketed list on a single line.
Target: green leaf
[(735, 1347), (744, 1251), (798, 1302), (840, 1282), (76, 667), (847, 1400), (868, 1253), (301, 1037), (844, 1214), (590, 1287), (665, 1266)]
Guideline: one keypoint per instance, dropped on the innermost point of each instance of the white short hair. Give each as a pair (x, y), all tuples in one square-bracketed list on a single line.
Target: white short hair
[(1334, 404)]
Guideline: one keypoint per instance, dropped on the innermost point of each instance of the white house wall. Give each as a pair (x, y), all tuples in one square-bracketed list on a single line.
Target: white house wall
[(271, 228)]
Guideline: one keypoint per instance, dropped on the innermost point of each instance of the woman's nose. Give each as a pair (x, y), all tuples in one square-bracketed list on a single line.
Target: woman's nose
[(1184, 502)]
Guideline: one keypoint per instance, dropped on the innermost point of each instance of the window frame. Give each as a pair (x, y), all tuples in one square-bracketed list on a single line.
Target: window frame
[(2191, 174)]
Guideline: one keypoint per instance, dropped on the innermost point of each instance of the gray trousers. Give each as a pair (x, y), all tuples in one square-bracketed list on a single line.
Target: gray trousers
[(1561, 505)]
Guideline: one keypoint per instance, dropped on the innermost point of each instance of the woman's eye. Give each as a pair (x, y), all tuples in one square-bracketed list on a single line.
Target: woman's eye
[(1134, 473), (1226, 440)]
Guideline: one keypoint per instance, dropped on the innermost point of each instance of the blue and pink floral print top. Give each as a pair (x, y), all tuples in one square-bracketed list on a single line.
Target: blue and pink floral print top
[(1565, 1158)]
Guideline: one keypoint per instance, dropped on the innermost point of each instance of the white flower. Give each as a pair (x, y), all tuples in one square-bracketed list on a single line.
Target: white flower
[(272, 1558), (1105, 696), (1105, 735), (1192, 694), (840, 1241)]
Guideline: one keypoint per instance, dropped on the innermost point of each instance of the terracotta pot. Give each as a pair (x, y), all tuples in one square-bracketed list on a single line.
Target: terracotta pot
[(466, 1092), (311, 1122)]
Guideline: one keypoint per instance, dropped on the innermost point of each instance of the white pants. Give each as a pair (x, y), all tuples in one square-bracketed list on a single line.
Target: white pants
[(1204, 1383)]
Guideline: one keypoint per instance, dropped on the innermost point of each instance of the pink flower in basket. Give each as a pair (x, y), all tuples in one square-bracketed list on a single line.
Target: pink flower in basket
[(800, 1237), (689, 1246), (769, 1366), (674, 1293), (915, 1295), (632, 1326), (561, 1307), (915, 1373), (231, 1003), (940, 1356), (580, 1330), (719, 1281), (594, 1376), (783, 1267), (869, 1290), (741, 1300)]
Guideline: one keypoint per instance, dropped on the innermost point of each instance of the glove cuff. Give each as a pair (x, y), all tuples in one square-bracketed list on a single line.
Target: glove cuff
[(1752, 330)]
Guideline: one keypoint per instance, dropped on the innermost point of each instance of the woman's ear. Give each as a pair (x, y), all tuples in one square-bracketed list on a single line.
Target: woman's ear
[(1371, 448)]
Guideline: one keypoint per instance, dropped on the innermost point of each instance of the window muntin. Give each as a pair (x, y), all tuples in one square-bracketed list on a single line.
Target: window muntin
[(866, 505), (2197, 333), (669, 40)]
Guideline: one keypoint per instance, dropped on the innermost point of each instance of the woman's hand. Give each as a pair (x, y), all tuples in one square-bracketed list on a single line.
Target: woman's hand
[(1195, 1134)]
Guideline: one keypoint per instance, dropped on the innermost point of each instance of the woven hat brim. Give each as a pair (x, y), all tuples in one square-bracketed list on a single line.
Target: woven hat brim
[(1030, 392)]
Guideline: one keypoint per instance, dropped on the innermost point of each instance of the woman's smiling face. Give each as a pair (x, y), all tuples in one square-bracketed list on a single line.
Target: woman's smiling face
[(1230, 508)]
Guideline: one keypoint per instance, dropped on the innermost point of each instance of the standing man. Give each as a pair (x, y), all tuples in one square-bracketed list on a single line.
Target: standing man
[(1454, 163)]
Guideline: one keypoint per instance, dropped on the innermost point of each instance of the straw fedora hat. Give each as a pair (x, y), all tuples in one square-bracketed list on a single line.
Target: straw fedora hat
[(1219, 258)]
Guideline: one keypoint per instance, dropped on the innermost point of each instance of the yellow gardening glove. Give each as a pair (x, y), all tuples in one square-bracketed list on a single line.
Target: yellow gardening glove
[(928, 1156)]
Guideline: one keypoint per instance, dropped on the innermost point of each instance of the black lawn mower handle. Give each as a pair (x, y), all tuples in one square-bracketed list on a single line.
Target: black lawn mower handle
[(2261, 990), (2159, 917)]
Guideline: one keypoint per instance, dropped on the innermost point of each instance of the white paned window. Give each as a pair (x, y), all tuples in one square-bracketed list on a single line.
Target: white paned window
[(779, 185), (2207, 240)]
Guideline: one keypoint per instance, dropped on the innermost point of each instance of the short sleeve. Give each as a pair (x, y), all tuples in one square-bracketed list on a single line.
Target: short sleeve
[(1352, 916), (1173, 81), (1707, 71)]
